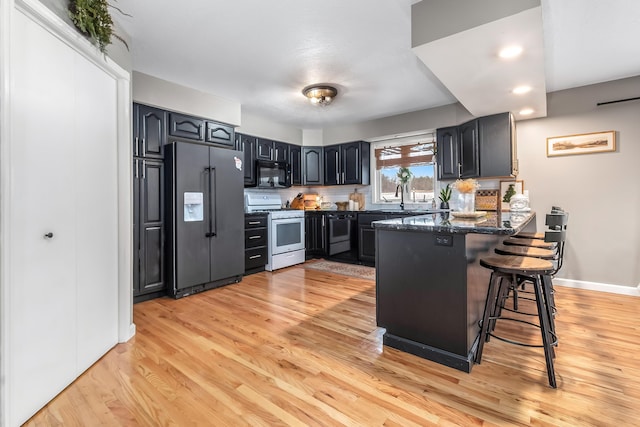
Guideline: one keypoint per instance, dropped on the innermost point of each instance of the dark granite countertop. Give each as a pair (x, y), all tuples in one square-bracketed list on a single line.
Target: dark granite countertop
[(409, 212), (255, 214), (506, 223)]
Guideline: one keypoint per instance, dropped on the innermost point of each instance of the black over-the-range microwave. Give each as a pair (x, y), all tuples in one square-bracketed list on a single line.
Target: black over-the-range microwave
[(271, 174)]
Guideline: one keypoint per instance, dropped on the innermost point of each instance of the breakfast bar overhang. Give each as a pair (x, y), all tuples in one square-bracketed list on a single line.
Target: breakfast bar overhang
[(430, 287)]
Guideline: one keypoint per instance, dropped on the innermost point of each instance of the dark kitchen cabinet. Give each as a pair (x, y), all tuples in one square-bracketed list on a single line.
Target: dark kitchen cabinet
[(149, 229), (367, 237), (484, 147), (295, 160), (272, 150), (187, 127), (497, 136), (218, 133), (315, 234), (280, 151), (468, 142), (332, 165), (447, 152), (264, 149), (256, 238), (312, 166), (248, 144), (149, 133), (346, 163)]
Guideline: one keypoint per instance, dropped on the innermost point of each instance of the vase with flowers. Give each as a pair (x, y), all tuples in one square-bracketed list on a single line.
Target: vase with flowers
[(403, 176), (466, 194)]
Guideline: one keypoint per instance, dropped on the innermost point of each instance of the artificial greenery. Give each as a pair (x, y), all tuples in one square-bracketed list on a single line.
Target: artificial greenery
[(511, 191), (445, 194), (93, 19), (404, 175)]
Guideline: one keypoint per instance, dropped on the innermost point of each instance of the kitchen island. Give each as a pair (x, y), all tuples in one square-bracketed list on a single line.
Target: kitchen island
[(430, 287)]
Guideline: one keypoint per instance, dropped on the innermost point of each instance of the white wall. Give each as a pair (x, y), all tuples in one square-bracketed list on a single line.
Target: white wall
[(160, 93), (259, 126), (600, 191)]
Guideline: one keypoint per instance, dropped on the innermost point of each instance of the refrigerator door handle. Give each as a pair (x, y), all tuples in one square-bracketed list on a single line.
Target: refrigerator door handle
[(212, 223)]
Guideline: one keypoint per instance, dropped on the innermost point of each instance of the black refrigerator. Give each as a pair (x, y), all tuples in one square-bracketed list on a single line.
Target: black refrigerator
[(205, 211)]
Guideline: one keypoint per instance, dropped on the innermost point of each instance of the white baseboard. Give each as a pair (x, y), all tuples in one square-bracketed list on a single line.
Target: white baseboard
[(600, 287)]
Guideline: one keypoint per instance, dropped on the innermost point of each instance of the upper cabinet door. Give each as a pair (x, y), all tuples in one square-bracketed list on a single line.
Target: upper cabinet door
[(469, 163), (295, 160), (280, 151), (186, 127), (247, 144), (264, 149), (312, 168), (497, 145), (150, 132), (351, 163), (332, 165), (218, 133), (447, 153)]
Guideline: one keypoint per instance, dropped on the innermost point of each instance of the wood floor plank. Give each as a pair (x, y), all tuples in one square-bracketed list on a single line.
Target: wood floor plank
[(301, 347)]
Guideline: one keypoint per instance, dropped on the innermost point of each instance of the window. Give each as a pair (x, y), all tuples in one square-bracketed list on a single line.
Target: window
[(418, 157)]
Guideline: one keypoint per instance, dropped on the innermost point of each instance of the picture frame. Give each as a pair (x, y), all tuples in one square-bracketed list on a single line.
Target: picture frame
[(584, 143), (518, 187)]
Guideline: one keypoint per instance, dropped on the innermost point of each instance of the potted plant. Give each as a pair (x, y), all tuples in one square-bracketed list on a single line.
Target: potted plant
[(445, 196)]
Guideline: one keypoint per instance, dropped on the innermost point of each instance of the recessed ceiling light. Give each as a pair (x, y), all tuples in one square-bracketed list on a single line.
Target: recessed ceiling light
[(520, 90), (526, 111), (510, 52)]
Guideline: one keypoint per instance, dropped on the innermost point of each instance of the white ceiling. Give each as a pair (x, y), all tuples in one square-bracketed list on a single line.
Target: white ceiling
[(263, 53)]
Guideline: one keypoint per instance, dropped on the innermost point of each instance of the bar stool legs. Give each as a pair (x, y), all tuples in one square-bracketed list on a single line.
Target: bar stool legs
[(507, 272)]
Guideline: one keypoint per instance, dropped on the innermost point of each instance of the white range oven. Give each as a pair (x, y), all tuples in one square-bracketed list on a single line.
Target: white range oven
[(285, 227)]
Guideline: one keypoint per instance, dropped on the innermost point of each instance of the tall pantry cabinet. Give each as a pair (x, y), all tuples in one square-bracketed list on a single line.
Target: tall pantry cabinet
[(149, 134), (65, 224)]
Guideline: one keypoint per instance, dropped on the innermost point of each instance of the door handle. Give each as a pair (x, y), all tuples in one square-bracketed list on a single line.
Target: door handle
[(49, 235), (212, 221)]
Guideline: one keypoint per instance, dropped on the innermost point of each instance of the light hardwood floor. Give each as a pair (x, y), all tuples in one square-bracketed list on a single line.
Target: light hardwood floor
[(300, 347)]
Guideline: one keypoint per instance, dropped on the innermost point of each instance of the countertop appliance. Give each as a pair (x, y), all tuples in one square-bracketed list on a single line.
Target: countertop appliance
[(205, 217), (286, 230), (271, 174)]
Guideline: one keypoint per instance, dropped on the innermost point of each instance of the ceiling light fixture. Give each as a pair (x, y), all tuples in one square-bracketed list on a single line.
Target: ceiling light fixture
[(510, 52), (320, 94), (521, 90), (526, 111)]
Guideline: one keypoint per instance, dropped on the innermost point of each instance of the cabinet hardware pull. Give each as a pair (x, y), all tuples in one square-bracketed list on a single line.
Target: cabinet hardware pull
[(137, 176), (337, 173), (144, 169), (144, 147), (49, 235), (137, 153), (255, 256), (459, 169), (254, 237), (254, 222)]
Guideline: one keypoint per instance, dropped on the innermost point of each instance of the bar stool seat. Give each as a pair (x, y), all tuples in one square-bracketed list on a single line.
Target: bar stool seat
[(525, 235), (536, 270), (535, 243), (529, 251)]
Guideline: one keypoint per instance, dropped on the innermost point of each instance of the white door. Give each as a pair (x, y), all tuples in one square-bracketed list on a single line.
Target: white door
[(63, 288)]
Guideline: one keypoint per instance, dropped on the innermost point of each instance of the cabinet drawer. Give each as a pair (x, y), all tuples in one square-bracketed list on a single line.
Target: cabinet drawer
[(186, 127), (219, 134), (255, 222), (255, 237), (254, 258)]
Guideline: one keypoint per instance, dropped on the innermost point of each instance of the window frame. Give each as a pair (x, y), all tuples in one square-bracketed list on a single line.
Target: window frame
[(397, 142)]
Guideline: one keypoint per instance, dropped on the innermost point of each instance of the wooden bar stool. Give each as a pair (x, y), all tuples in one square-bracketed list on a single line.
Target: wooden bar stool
[(534, 243), (536, 270)]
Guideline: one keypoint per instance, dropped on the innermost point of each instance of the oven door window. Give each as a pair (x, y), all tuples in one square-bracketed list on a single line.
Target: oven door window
[(288, 235)]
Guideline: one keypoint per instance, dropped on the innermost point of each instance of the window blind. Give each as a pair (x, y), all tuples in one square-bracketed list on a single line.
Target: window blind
[(405, 155)]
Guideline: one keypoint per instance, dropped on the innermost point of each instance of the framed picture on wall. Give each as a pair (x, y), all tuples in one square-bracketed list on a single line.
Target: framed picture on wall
[(584, 143), (507, 190)]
